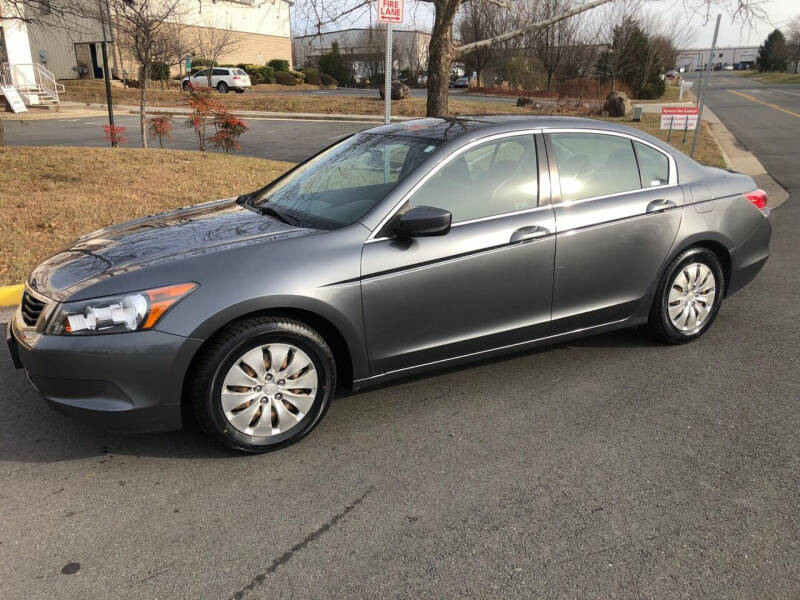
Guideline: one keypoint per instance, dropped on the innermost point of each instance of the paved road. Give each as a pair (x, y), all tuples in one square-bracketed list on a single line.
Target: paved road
[(278, 139), (606, 468)]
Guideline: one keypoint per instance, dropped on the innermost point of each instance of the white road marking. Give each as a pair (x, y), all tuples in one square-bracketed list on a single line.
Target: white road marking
[(784, 92)]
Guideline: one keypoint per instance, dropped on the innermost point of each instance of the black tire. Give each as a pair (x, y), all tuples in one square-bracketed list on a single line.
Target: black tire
[(239, 90), (222, 87), (659, 324), (185, 86), (225, 348)]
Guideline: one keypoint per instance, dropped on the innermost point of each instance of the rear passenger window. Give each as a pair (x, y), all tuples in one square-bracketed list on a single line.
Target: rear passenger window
[(594, 164), (220, 72), (653, 165)]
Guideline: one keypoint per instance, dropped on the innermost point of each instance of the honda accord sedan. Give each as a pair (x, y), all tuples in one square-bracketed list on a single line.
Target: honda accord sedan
[(403, 248)]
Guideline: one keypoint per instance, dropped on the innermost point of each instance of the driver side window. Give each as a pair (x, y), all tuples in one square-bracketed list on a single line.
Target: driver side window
[(493, 178)]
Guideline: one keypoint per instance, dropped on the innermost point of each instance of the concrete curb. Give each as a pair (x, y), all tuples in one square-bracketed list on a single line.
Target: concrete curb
[(11, 295), (181, 111)]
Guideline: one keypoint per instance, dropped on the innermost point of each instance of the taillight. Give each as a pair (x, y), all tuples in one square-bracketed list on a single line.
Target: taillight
[(236, 77), (758, 198)]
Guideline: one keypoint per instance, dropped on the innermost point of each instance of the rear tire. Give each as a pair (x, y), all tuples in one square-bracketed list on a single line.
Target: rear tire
[(688, 298), (240, 90), (268, 405)]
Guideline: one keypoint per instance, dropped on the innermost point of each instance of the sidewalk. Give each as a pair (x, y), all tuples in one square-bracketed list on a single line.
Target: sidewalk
[(185, 111)]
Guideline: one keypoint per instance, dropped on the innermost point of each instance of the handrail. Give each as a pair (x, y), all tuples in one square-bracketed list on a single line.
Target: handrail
[(30, 78)]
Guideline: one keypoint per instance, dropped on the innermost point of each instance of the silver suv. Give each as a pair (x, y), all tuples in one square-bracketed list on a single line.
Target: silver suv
[(223, 79)]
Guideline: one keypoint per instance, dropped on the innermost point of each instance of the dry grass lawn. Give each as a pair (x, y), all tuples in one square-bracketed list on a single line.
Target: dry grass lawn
[(50, 196), (771, 78)]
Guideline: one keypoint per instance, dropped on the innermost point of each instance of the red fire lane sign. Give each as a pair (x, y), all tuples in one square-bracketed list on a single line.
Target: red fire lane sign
[(678, 117), (390, 11)]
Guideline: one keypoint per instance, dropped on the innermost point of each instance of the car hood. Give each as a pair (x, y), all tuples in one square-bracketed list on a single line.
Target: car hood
[(186, 232)]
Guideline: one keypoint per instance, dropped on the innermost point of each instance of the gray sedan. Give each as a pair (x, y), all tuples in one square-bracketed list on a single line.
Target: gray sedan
[(401, 249)]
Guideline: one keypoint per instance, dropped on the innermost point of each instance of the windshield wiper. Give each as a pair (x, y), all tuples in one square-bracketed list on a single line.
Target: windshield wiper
[(288, 219)]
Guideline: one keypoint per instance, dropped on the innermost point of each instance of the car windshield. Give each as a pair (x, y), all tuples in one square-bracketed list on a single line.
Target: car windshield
[(342, 184)]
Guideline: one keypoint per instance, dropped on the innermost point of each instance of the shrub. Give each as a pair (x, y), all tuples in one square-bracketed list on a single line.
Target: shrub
[(159, 71), (161, 128), (327, 79), (284, 78), (301, 77), (202, 63), (652, 90), (203, 109), (335, 64), (114, 134), (258, 74), (312, 76), (229, 129), (278, 64)]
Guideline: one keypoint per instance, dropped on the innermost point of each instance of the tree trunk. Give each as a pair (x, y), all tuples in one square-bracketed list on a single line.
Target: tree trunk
[(549, 79), (143, 104), (440, 57), (2, 134)]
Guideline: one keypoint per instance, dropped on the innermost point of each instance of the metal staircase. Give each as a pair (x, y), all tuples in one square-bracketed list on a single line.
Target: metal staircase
[(35, 84)]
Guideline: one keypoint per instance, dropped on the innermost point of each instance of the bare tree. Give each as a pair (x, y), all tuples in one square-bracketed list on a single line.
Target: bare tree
[(551, 43), (478, 21), (148, 31), (443, 49), (211, 42)]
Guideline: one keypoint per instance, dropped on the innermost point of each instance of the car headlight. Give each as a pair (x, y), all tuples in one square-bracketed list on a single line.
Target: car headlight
[(117, 314)]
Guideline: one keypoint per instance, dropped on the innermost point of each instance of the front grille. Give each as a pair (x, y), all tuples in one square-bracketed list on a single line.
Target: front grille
[(31, 309)]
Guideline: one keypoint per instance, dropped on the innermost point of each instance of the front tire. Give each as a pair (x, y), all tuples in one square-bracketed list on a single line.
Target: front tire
[(688, 298), (222, 87), (262, 384)]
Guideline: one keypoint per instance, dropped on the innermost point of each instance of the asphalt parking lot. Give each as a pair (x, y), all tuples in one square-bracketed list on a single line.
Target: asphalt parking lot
[(611, 467)]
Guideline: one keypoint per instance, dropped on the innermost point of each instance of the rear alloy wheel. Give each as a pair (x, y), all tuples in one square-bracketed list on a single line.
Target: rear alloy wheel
[(222, 87), (263, 383), (689, 297)]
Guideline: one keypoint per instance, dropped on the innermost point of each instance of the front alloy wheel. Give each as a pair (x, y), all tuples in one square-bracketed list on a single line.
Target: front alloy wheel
[(262, 383)]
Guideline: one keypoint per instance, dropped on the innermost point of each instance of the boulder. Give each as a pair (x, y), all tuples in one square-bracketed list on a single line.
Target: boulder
[(400, 91), (522, 101), (617, 104)]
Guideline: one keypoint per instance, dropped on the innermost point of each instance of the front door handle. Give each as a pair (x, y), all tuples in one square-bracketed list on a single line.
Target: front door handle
[(657, 206), (531, 232)]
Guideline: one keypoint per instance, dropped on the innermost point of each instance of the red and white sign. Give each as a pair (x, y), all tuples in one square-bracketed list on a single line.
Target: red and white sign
[(390, 11), (678, 117)]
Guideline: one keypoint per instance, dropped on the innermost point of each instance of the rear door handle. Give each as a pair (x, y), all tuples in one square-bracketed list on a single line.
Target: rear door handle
[(657, 206), (531, 232)]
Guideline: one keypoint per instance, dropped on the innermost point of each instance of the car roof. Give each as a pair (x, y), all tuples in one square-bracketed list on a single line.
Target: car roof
[(448, 129)]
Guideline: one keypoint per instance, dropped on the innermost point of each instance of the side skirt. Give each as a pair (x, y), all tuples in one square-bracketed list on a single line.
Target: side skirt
[(368, 382)]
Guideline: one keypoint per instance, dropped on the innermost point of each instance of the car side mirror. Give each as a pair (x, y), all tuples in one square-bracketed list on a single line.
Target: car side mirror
[(423, 221)]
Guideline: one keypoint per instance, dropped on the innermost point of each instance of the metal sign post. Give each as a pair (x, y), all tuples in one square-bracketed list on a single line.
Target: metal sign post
[(702, 87), (389, 12), (387, 77)]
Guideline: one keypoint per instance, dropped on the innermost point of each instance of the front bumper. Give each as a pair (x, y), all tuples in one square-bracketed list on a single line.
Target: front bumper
[(123, 382)]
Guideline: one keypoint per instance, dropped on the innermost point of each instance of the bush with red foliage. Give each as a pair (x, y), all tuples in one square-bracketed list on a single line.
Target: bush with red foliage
[(204, 110), (161, 128), (229, 129), (114, 134)]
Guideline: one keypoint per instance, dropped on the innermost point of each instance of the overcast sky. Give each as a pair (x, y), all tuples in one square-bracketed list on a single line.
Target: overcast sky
[(779, 13)]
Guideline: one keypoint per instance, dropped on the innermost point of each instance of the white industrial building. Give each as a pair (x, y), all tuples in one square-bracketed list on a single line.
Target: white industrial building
[(740, 57)]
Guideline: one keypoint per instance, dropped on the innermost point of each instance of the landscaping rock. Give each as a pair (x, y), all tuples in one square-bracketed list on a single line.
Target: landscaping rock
[(524, 101), (617, 104), (400, 91)]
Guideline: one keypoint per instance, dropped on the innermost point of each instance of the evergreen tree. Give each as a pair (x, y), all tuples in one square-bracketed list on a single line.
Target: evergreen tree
[(772, 54), (335, 65)]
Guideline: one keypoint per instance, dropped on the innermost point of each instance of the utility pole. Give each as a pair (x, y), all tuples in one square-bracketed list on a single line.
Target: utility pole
[(107, 74), (701, 91)]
